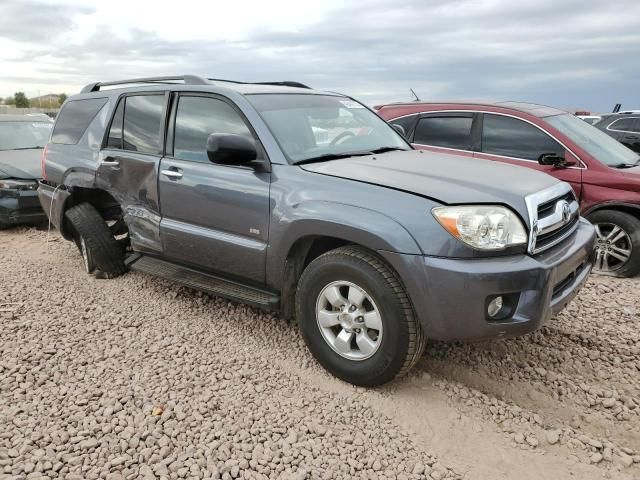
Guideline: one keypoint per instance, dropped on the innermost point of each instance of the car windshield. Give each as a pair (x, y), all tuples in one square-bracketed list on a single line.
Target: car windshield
[(596, 143), (24, 135), (310, 127)]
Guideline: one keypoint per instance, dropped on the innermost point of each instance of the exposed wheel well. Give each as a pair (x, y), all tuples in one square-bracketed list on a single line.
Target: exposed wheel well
[(630, 209), (301, 253), (103, 201)]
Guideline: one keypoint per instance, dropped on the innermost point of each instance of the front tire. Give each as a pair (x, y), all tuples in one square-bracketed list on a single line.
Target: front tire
[(101, 253), (617, 242), (356, 317)]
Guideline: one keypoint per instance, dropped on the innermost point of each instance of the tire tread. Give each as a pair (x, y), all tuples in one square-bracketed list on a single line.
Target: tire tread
[(106, 253)]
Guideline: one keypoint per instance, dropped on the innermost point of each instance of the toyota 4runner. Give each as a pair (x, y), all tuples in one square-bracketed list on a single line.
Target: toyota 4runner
[(308, 203)]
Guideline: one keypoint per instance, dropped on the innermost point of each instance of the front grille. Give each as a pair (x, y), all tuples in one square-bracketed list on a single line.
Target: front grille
[(547, 240), (547, 208), (554, 215)]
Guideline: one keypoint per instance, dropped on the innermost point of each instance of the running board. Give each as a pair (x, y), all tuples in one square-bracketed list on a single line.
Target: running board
[(204, 281)]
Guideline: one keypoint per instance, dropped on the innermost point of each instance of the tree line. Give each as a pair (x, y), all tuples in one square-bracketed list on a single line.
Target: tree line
[(20, 100)]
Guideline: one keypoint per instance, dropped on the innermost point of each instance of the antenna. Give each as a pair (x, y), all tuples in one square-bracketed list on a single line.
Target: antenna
[(416, 98)]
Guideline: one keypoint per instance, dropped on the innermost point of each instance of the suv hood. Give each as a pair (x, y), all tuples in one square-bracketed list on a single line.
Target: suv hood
[(450, 179), (23, 164)]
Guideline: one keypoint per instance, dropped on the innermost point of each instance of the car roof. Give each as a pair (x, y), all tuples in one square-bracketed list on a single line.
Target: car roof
[(525, 107), (28, 117), (611, 116)]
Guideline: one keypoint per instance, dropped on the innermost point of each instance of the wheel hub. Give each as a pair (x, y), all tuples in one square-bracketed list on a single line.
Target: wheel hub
[(349, 320)]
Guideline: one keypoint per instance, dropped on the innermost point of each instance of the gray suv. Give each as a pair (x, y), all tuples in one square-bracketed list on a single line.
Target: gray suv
[(307, 203)]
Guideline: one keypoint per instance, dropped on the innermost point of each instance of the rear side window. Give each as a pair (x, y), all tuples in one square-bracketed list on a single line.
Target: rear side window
[(510, 137), (450, 132), (142, 124), (196, 118), (74, 118), (635, 128), (622, 124)]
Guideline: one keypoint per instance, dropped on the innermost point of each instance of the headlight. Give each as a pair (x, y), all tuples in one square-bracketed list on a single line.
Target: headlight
[(19, 184), (484, 227)]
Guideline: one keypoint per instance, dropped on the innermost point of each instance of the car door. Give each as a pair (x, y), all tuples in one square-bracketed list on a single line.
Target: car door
[(447, 132), (128, 165), (512, 140), (214, 217)]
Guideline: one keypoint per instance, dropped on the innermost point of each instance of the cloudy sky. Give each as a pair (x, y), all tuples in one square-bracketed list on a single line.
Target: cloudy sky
[(568, 53)]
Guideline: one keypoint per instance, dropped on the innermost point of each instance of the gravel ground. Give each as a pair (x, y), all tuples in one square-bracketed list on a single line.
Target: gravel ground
[(139, 378)]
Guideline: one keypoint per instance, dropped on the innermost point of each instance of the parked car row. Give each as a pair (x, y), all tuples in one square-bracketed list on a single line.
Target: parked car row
[(604, 174)]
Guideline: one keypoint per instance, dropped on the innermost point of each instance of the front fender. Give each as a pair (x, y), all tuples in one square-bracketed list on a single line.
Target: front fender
[(316, 218)]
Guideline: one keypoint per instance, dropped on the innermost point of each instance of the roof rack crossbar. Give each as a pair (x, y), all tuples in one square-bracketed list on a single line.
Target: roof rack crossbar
[(284, 83), (187, 79)]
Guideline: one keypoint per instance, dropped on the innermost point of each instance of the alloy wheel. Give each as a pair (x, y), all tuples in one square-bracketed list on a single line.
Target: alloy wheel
[(613, 247), (349, 320)]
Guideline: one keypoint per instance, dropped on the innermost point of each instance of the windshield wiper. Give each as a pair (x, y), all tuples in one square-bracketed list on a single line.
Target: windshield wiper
[(330, 156), (625, 165), (388, 149), (27, 148)]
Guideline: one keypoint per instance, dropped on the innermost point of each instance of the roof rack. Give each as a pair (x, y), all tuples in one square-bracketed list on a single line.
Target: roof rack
[(187, 79)]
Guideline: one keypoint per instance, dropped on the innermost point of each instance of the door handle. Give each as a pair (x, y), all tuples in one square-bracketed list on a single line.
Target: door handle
[(110, 162), (171, 173)]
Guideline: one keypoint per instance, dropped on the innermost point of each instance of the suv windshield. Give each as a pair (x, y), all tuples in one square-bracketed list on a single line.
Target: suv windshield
[(596, 143), (309, 127), (24, 135)]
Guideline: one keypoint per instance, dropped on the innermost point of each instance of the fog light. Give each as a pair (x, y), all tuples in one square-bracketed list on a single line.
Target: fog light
[(494, 307)]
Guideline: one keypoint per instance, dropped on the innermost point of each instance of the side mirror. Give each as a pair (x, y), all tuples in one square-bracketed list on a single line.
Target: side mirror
[(400, 129), (229, 149), (553, 159)]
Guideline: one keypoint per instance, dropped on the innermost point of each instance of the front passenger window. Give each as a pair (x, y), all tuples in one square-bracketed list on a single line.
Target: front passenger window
[(196, 118)]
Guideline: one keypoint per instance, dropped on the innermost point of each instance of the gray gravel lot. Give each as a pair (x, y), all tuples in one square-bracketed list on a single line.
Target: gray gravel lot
[(139, 378)]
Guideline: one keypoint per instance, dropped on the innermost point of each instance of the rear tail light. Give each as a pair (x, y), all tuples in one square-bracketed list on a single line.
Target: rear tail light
[(43, 160)]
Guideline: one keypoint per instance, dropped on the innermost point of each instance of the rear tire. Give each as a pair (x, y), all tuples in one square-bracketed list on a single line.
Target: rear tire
[(356, 317), (617, 239), (100, 251)]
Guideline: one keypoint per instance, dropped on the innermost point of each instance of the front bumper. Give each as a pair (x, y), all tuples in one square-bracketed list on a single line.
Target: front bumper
[(20, 207), (450, 295)]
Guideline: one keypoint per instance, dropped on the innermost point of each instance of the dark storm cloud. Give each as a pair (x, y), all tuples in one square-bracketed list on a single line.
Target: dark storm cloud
[(569, 53)]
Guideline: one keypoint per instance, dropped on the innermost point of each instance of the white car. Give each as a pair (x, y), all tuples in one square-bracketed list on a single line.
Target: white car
[(590, 119)]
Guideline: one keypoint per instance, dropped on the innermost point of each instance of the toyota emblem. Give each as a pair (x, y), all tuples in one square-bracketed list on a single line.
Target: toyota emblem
[(566, 212)]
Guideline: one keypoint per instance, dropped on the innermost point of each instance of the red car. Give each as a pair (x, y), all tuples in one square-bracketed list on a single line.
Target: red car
[(605, 174)]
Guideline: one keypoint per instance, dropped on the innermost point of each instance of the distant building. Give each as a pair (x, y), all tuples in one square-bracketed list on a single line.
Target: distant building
[(50, 100)]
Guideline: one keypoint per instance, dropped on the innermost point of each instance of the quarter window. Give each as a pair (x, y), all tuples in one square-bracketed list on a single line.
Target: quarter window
[(143, 124), (196, 119), (74, 118), (450, 132), (511, 137)]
